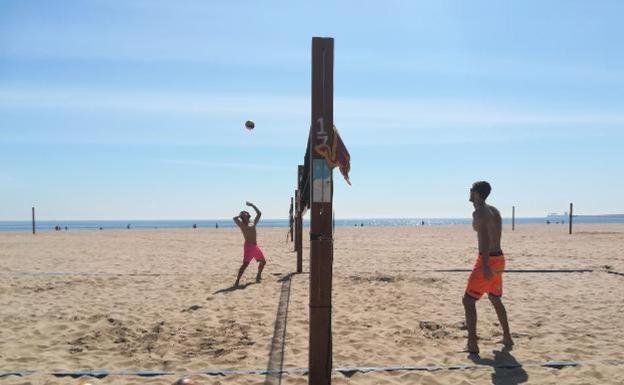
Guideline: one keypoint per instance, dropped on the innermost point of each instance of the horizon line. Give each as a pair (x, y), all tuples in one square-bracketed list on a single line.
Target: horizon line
[(286, 218)]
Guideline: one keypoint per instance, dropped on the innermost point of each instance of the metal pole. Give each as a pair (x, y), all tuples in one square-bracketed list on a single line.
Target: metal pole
[(33, 219), (513, 218), (570, 219), (321, 242)]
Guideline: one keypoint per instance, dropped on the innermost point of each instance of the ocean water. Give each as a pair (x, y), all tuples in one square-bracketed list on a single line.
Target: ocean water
[(282, 223)]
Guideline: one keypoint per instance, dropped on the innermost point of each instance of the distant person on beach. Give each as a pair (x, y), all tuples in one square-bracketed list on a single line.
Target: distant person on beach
[(250, 249), (487, 274)]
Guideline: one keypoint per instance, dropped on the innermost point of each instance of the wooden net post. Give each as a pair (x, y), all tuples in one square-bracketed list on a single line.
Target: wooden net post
[(321, 242), (570, 219)]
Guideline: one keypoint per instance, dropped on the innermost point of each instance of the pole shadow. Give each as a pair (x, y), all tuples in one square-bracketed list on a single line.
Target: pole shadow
[(275, 366)]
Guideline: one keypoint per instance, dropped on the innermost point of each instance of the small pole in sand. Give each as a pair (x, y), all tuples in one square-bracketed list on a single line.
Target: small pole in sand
[(33, 219), (296, 226), (290, 219), (299, 220), (293, 221), (513, 218), (570, 220)]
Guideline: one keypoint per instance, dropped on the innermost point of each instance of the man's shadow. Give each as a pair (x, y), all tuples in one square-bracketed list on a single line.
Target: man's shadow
[(232, 288), (507, 370)]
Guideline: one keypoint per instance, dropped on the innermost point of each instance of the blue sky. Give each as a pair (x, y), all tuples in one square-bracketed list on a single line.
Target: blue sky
[(135, 109)]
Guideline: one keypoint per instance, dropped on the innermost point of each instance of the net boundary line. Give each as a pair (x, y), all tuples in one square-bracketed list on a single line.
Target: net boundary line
[(348, 370), (458, 270), (278, 342)]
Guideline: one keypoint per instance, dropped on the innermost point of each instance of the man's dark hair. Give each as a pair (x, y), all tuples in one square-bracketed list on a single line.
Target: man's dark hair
[(483, 188)]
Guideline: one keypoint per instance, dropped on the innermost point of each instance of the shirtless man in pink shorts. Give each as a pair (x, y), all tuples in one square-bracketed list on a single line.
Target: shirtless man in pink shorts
[(251, 249)]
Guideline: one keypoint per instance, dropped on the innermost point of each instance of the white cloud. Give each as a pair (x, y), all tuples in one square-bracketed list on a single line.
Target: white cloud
[(391, 111), (249, 166), (109, 116), (6, 179), (175, 103), (487, 66)]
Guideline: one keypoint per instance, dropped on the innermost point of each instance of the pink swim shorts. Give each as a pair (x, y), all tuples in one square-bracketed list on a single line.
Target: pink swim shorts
[(250, 252)]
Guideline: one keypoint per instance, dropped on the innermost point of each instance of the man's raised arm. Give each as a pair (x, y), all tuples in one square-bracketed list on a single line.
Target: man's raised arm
[(258, 213)]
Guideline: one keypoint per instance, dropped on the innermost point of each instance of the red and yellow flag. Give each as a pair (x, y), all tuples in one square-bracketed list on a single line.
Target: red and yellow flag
[(336, 153)]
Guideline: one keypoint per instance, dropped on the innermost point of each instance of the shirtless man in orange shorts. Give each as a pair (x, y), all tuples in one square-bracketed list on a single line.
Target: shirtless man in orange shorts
[(250, 249), (487, 274)]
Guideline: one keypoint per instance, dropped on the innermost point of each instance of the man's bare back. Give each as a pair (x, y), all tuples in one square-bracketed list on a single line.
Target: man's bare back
[(488, 217)]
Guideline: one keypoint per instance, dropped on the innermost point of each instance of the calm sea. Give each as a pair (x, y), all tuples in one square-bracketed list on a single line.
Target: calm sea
[(227, 223)]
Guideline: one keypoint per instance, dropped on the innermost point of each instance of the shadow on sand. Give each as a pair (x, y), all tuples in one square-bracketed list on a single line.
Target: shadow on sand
[(507, 370), (275, 366), (234, 288)]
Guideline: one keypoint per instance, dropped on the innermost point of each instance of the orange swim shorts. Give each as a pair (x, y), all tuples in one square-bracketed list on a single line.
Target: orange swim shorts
[(478, 285)]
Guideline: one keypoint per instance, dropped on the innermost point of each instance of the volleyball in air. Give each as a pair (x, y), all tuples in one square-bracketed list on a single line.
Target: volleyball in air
[(249, 125)]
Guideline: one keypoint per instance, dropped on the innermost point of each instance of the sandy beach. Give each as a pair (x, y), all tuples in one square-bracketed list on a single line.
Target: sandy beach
[(161, 300)]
